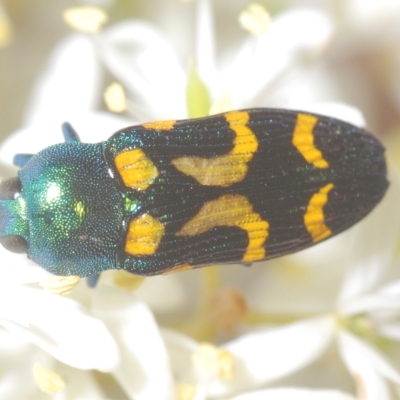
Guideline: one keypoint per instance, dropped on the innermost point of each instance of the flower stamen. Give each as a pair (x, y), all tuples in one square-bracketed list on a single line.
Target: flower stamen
[(86, 18), (127, 281), (255, 19), (115, 98), (211, 360), (62, 285), (6, 31), (186, 391), (47, 380)]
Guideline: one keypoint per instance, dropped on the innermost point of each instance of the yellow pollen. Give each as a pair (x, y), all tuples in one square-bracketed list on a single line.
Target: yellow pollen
[(255, 19), (214, 361), (186, 391), (85, 18), (46, 380), (127, 281), (6, 30), (62, 285), (115, 98)]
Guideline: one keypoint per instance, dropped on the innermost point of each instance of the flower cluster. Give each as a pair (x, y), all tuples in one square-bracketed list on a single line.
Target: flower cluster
[(321, 324)]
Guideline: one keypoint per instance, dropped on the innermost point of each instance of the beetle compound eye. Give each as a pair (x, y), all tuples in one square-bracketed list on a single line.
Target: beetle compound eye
[(14, 243), (10, 189)]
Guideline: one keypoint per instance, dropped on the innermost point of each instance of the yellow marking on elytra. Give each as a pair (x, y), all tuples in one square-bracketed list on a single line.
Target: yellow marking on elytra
[(136, 170), (160, 125), (227, 169), (144, 236), (303, 140), (231, 210), (178, 268), (314, 218)]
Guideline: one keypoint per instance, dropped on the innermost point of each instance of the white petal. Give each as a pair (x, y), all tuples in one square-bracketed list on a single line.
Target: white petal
[(261, 60), (162, 293), (180, 349), (140, 57), (373, 246), (391, 289), (304, 283), (338, 110), (294, 394), (369, 383), (144, 371), (70, 83), (91, 127), (59, 326), (16, 368), (390, 330), (264, 356), (17, 269), (370, 303), (205, 41), (366, 363), (372, 13), (81, 385), (302, 27)]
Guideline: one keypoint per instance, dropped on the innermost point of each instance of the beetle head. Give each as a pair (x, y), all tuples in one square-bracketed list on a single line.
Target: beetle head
[(64, 210)]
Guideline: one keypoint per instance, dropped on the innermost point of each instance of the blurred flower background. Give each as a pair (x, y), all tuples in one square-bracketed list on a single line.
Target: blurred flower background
[(324, 323)]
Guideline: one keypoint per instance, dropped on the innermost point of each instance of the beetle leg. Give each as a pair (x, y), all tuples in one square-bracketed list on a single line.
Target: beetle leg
[(70, 134), (91, 280)]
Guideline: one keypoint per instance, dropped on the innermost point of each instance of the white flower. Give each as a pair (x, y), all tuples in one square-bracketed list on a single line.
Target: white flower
[(58, 325), (17, 381), (140, 57), (144, 371), (294, 394), (278, 69), (365, 314)]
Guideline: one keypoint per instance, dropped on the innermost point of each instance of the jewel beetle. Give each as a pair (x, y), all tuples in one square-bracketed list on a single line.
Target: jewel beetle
[(164, 196)]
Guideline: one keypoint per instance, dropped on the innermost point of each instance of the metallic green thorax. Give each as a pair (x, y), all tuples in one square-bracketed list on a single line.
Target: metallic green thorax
[(73, 208)]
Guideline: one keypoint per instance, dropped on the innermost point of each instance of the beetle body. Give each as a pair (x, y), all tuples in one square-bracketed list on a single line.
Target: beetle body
[(238, 187)]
